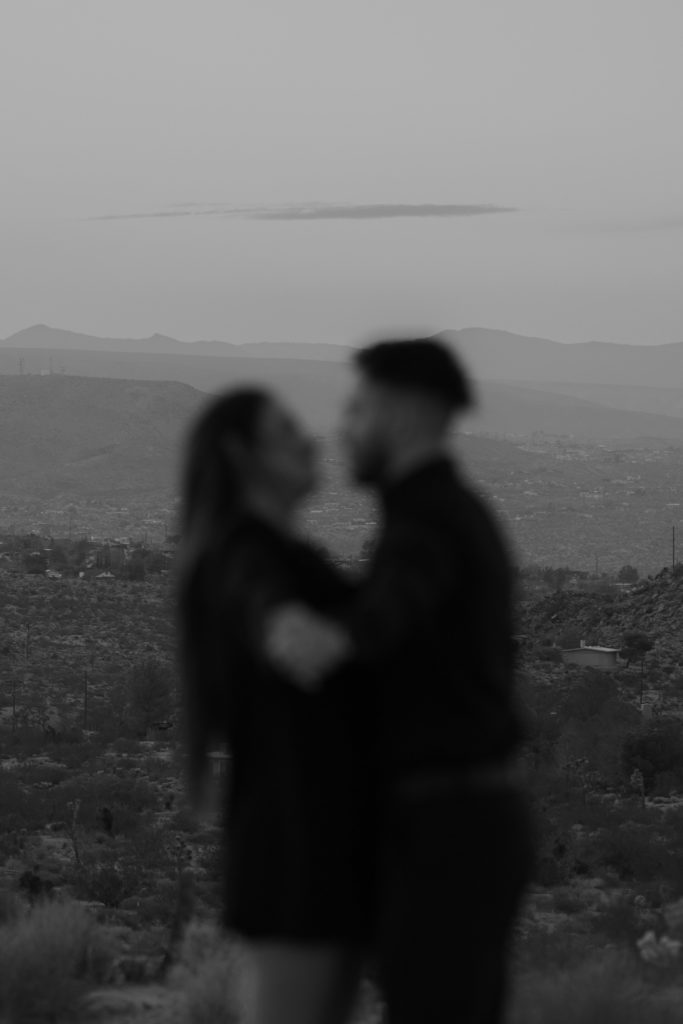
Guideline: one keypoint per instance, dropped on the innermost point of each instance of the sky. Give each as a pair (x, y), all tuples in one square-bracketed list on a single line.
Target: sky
[(261, 170)]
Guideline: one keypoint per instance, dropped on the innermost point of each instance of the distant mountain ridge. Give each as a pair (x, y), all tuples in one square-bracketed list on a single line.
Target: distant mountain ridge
[(488, 354), (43, 337), (317, 390), (592, 390), (500, 355)]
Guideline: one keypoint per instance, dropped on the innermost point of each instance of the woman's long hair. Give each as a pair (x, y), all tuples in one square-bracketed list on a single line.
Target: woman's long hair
[(211, 503)]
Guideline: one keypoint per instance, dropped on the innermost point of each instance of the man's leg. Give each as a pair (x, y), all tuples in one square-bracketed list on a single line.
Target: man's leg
[(455, 871)]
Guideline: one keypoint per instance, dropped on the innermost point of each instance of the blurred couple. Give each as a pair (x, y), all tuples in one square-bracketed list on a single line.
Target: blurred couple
[(375, 819)]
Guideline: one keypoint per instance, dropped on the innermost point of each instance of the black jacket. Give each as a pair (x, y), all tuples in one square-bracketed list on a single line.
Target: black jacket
[(433, 623)]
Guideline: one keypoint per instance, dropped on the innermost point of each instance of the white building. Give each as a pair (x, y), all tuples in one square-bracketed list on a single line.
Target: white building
[(603, 658)]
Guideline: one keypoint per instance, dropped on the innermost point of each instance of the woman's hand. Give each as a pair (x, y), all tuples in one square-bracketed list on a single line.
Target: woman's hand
[(305, 645)]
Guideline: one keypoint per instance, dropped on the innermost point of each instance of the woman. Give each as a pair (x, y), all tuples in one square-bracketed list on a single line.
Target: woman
[(296, 882)]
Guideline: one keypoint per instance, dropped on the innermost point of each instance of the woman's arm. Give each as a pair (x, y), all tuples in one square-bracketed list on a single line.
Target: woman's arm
[(410, 577)]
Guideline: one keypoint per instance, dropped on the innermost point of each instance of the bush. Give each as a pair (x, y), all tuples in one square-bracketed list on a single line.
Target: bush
[(208, 973), (127, 800), (560, 949), (567, 900), (618, 921), (109, 885), (48, 959), (22, 807), (126, 745), (552, 654), (628, 574), (607, 990), (654, 750), (633, 852)]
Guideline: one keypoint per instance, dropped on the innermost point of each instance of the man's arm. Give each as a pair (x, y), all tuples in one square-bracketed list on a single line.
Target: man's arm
[(412, 575)]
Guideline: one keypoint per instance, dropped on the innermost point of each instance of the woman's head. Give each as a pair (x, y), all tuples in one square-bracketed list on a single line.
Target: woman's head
[(245, 448), (245, 451)]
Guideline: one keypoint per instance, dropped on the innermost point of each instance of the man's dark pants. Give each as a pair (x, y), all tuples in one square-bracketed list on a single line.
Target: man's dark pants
[(453, 871)]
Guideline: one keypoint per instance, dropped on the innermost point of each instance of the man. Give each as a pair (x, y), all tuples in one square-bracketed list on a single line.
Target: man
[(433, 623)]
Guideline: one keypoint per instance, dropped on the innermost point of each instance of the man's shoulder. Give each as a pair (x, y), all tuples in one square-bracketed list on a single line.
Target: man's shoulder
[(445, 505), (438, 491), (423, 486)]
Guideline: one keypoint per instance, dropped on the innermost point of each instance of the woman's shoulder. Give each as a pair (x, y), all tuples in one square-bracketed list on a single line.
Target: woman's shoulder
[(247, 545), (254, 553)]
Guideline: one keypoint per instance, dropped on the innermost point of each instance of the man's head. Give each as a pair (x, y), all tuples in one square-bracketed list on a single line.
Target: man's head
[(405, 396)]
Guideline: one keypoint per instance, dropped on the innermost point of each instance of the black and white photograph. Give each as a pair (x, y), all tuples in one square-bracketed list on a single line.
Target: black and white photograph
[(341, 512)]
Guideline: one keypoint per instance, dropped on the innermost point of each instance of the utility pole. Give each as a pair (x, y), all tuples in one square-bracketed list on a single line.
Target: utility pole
[(673, 547), (85, 699), (86, 679), (14, 676)]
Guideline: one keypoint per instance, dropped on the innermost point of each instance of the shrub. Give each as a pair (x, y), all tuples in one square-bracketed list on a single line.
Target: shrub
[(48, 958), (126, 745), (567, 900), (655, 749), (618, 921), (22, 807), (563, 948), (552, 654), (127, 801), (633, 852), (606, 990), (208, 973), (109, 885)]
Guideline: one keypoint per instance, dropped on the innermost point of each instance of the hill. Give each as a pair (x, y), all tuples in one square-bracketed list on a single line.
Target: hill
[(501, 355), (519, 411), (111, 448), (653, 606), (41, 336), (314, 387), (588, 377), (489, 355), (67, 438), (317, 388)]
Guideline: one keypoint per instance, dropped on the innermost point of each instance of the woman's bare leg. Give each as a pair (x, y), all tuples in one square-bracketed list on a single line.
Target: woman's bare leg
[(299, 984)]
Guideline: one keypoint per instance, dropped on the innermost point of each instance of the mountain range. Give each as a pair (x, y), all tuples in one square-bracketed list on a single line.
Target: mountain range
[(103, 455), (488, 355), (525, 385)]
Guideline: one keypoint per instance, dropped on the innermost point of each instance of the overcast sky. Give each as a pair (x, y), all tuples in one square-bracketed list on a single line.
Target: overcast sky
[(322, 169)]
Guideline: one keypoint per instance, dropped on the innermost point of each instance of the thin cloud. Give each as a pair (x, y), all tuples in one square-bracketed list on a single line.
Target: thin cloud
[(380, 211), (318, 211)]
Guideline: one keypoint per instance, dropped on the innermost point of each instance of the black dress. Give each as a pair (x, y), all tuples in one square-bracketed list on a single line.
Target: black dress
[(299, 801)]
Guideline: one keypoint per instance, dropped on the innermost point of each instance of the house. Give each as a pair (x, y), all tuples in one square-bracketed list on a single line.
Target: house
[(603, 658)]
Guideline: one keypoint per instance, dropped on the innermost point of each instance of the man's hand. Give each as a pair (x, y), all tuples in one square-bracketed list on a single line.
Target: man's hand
[(304, 645)]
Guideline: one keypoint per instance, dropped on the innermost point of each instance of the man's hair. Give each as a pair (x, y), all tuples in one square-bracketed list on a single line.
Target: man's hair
[(420, 364)]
